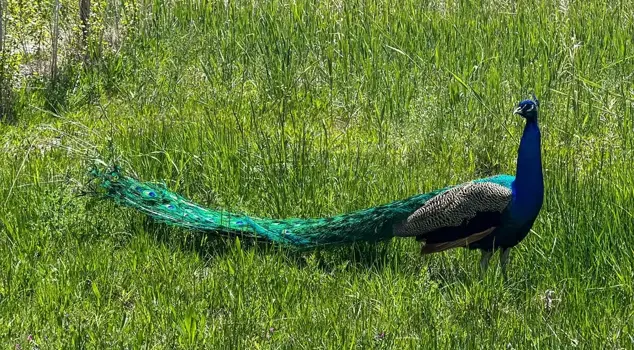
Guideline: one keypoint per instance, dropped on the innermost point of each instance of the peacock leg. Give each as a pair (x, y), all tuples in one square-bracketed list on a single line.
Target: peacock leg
[(504, 260), (484, 261)]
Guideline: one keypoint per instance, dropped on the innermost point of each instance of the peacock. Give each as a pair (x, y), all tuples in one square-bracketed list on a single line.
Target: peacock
[(488, 214)]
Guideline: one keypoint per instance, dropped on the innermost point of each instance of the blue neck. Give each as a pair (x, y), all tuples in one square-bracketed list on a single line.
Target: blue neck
[(528, 187)]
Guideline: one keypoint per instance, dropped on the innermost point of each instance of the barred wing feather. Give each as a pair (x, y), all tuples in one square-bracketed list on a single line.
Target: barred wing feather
[(457, 217)]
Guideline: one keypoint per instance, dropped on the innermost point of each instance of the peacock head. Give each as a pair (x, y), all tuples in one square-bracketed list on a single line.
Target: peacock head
[(528, 108)]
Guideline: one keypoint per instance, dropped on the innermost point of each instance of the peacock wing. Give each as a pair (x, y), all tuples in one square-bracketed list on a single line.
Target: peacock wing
[(459, 216)]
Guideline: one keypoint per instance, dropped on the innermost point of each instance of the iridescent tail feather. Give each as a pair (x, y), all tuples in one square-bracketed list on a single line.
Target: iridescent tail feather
[(369, 225)]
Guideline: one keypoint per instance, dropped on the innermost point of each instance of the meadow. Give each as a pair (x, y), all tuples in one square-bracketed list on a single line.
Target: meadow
[(303, 108)]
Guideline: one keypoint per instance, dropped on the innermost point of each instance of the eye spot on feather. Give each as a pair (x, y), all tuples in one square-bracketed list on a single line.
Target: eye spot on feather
[(151, 194), (239, 222), (170, 207)]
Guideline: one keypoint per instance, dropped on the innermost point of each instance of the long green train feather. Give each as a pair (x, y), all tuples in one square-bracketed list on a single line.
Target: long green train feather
[(370, 225)]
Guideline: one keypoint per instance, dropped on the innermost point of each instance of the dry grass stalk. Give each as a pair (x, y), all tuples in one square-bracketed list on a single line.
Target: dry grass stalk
[(55, 38)]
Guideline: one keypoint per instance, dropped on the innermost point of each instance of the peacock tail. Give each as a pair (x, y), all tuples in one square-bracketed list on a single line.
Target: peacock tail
[(164, 206)]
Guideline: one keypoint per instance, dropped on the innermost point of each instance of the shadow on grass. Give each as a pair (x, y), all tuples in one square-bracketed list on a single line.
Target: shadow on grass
[(443, 271), (56, 91), (8, 113), (371, 256)]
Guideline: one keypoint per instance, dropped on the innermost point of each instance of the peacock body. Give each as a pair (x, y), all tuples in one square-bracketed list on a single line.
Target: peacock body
[(485, 214)]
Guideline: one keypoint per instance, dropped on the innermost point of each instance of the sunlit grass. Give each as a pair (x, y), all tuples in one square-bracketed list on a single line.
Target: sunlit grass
[(306, 108)]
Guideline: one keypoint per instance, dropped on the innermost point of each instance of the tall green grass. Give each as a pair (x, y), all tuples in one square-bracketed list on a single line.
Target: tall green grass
[(312, 108)]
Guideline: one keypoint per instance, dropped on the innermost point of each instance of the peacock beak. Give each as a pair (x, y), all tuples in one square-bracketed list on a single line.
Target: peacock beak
[(518, 110)]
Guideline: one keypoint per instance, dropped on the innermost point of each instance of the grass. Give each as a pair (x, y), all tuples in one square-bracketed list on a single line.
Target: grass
[(306, 108)]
